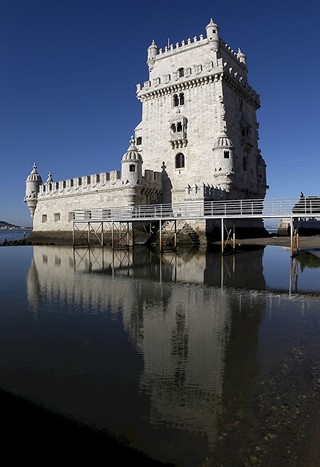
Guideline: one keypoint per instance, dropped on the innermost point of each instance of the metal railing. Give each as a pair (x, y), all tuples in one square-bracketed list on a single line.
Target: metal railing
[(236, 209)]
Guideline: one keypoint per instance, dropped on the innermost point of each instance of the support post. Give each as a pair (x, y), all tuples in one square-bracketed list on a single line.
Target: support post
[(175, 236), (88, 233), (221, 272), (291, 236), (128, 236), (160, 235), (102, 234), (112, 235), (233, 236), (222, 236)]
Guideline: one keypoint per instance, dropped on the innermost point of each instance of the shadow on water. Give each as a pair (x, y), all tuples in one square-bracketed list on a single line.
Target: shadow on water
[(168, 352)]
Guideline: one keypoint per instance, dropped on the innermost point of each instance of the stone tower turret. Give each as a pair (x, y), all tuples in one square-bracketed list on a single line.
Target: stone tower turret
[(131, 165), (32, 188), (223, 161), (152, 54), (213, 35), (242, 58)]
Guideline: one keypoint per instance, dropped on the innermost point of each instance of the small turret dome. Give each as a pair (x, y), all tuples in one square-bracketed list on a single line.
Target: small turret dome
[(223, 142), (131, 165), (212, 24), (34, 176), (153, 45), (241, 57), (132, 154)]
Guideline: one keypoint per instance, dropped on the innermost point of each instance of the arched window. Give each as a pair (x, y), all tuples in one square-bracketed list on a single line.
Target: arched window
[(132, 168), (139, 140), (173, 128), (179, 126), (178, 99), (181, 72), (179, 160)]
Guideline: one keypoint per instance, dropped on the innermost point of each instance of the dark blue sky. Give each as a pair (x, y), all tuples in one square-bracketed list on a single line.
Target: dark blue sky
[(69, 70)]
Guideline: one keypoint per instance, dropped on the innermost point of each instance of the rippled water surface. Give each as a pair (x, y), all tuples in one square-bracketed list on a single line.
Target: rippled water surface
[(183, 355)]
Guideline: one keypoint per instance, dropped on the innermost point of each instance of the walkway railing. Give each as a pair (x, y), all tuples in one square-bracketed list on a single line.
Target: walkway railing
[(234, 209)]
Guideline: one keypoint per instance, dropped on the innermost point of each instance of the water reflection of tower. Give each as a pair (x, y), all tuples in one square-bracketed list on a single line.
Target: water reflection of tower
[(184, 348), (33, 288), (182, 330), (241, 270)]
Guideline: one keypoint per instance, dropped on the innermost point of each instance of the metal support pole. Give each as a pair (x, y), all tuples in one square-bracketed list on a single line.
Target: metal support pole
[(222, 236), (112, 235), (102, 234), (160, 235), (128, 236), (175, 236), (88, 233), (73, 235), (221, 272), (233, 236), (132, 234), (291, 236)]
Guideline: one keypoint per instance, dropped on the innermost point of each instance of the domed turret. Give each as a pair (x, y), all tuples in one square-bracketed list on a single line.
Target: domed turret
[(213, 35), (223, 161), (33, 182), (241, 57), (131, 163), (152, 54)]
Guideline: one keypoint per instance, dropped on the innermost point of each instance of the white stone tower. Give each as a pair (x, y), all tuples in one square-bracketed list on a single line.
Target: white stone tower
[(199, 120), (32, 188)]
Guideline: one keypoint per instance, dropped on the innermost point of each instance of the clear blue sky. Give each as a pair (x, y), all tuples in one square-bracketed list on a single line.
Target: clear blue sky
[(69, 70)]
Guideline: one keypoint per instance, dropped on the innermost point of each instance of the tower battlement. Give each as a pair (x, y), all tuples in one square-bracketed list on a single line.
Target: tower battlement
[(195, 61)]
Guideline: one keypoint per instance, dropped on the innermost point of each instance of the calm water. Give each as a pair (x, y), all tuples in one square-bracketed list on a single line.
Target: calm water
[(172, 353), (15, 234)]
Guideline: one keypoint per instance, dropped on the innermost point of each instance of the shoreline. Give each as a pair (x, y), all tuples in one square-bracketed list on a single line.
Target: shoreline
[(305, 242)]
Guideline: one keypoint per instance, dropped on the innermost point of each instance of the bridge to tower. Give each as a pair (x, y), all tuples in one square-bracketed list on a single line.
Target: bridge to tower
[(93, 223)]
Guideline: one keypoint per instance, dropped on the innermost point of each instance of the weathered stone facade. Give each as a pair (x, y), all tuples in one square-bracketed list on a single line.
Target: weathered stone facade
[(197, 140)]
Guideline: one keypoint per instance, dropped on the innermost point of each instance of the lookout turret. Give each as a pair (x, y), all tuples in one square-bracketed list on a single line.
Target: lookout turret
[(152, 54), (213, 35), (223, 158), (33, 182), (131, 165)]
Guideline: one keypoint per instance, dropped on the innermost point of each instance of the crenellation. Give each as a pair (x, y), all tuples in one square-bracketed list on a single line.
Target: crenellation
[(73, 185)]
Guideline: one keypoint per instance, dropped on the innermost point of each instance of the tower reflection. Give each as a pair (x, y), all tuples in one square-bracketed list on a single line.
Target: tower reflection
[(182, 315)]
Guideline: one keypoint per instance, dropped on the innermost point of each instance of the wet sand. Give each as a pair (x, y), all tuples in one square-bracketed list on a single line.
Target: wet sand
[(304, 242), (32, 433)]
